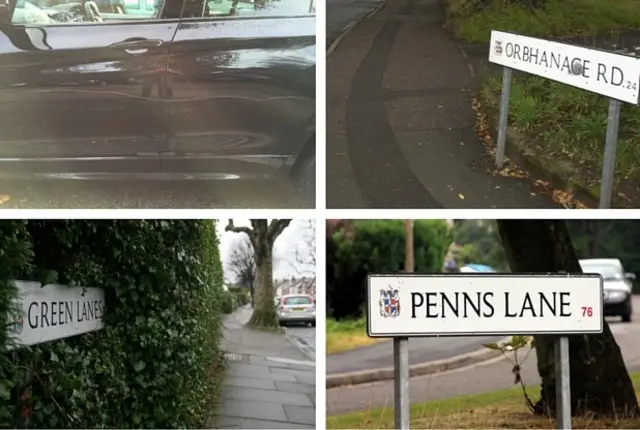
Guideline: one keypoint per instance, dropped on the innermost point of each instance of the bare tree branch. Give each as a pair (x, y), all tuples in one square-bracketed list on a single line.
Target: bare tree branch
[(241, 265), (308, 256), (277, 226), (245, 230)]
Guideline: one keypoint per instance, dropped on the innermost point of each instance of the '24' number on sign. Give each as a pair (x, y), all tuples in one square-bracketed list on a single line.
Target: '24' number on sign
[(587, 311)]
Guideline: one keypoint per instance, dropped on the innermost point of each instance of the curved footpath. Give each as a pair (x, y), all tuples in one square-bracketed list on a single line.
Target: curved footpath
[(400, 123), (491, 375)]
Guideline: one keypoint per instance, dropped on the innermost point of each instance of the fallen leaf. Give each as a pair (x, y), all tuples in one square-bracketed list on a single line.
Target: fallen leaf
[(4, 198), (461, 196)]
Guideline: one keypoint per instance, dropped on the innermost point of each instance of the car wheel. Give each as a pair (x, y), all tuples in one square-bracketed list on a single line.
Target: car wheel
[(313, 324), (304, 175), (626, 317)]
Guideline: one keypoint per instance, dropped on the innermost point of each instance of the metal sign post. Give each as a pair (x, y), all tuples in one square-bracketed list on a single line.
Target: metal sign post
[(401, 409), (617, 77), (563, 383), (507, 73), (406, 305), (609, 162), (401, 382)]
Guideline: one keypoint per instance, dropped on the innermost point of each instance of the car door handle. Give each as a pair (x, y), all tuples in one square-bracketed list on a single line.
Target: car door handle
[(137, 46)]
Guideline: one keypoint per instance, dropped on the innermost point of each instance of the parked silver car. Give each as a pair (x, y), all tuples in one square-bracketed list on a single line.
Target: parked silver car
[(296, 308)]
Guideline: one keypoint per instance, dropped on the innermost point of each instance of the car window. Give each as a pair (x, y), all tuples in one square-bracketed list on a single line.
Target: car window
[(608, 271), (301, 300), (248, 8), (52, 12)]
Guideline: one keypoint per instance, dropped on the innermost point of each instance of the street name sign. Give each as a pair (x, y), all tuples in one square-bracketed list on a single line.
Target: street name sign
[(52, 312), (615, 76), (484, 304), (610, 74)]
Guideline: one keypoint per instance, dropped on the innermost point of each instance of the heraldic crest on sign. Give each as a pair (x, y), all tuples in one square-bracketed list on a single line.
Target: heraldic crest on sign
[(498, 47), (389, 302)]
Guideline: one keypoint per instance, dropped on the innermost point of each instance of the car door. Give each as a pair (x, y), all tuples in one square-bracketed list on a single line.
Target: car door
[(80, 90), (241, 87)]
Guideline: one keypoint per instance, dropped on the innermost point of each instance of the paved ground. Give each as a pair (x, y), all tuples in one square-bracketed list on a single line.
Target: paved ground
[(269, 383), (152, 194), (488, 376), (305, 336), (341, 13), (400, 123), (421, 350)]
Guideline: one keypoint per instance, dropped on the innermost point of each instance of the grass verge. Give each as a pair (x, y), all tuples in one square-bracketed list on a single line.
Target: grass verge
[(558, 18), (564, 129), (498, 409), (560, 128), (345, 335)]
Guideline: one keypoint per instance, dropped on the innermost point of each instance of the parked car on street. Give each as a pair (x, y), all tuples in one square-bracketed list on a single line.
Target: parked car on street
[(170, 90), (297, 308), (617, 285)]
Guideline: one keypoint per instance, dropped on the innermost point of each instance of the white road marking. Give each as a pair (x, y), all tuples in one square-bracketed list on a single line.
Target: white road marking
[(290, 361)]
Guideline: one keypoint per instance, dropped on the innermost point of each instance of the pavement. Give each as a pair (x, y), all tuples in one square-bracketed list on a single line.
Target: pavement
[(75, 194), (421, 350), (269, 384), (488, 376), (400, 124)]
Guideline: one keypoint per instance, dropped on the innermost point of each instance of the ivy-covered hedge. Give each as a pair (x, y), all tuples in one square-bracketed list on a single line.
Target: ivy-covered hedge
[(156, 362)]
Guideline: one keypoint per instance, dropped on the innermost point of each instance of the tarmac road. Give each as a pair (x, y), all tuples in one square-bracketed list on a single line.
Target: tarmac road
[(75, 194), (305, 337), (421, 350), (341, 13), (488, 376)]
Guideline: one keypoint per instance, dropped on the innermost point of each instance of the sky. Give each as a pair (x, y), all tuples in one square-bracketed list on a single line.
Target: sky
[(298, 236)]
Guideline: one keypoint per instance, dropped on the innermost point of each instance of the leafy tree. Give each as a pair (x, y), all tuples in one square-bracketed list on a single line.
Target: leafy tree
[(376, 246), (600, 382), (262, 234), (480, 243)]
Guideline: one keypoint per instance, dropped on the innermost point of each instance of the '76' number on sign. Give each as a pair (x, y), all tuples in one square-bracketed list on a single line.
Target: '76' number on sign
[(587, 311)]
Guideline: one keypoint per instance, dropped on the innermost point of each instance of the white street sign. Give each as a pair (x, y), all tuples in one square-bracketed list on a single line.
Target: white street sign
[(54, 312), (613, 75), (483, 304)]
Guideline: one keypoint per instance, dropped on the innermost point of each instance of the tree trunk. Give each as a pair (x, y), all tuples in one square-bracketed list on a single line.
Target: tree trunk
[(600, 382), (262, 236), (264, 312)]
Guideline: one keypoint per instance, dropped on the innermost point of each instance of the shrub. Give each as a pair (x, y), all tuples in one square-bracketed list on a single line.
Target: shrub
[(378, 247), (151, 364), (228, 302), (241, 295)]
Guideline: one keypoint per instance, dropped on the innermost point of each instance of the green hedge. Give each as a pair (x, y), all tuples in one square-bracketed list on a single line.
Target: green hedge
[(157, 362), (379, 248), (241, 295), (228, 302)]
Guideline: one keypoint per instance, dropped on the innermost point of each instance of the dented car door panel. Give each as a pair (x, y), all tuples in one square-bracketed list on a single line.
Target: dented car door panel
[(241, 95)]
